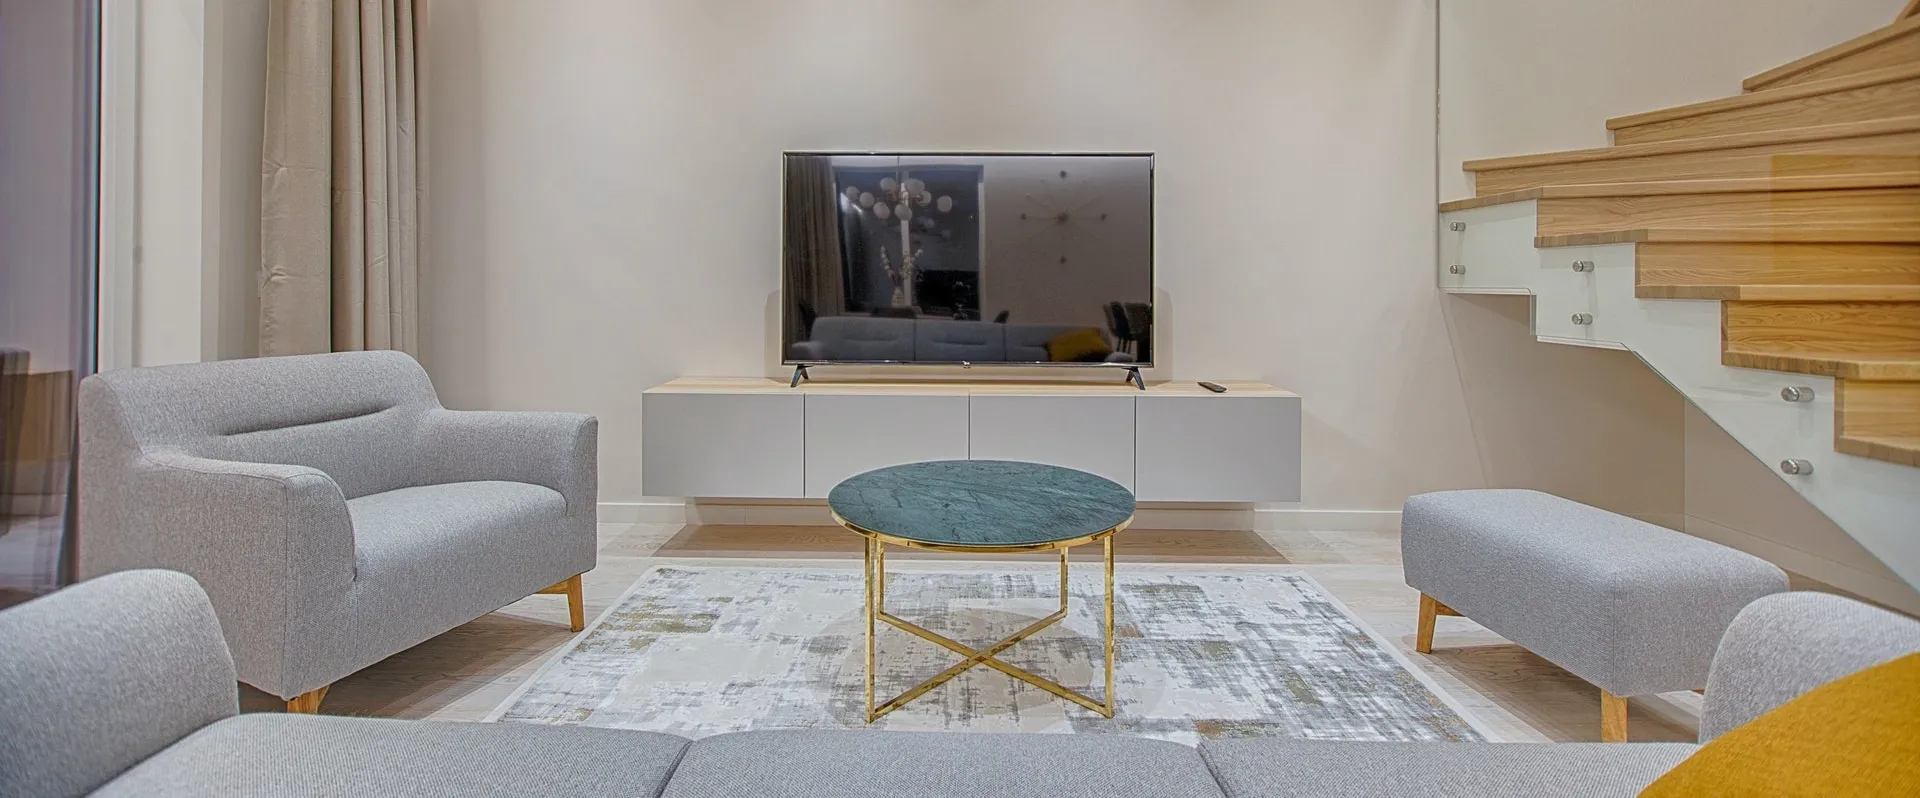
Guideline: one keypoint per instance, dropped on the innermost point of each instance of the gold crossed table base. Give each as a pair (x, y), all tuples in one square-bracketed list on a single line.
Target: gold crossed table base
[(876, 578)]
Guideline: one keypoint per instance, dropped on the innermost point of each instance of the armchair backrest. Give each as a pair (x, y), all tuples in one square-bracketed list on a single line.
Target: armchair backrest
[(1785, 644), (98, 677), (353, 415)]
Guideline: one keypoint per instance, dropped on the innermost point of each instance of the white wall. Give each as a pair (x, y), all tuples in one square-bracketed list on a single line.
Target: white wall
[(196, 105), (604, 212), (1522, 76)]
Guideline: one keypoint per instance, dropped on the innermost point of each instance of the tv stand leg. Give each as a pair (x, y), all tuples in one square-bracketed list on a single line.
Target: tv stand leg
[(799, 373), (1133, 376)]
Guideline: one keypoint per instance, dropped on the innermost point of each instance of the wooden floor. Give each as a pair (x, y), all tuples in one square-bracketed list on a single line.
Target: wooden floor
[(465, 673)]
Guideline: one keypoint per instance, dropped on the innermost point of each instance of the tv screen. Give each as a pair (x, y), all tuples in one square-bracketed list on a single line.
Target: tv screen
[(976, 259)]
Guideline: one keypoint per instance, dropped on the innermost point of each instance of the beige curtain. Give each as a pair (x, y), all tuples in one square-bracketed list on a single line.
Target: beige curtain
[(340, 178), (814, 271)]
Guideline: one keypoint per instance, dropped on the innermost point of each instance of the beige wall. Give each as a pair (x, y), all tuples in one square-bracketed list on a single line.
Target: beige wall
[(1520, 76), (604, 214)]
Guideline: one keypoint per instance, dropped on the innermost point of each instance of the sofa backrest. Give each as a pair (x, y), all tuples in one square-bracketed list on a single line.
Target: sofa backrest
[(353, 415), (99, 676), (1783, 645), (953, 341), (877, 338), (864, 338)]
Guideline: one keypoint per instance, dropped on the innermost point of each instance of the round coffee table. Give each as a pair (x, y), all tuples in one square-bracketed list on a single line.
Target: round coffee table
[(980, 507)]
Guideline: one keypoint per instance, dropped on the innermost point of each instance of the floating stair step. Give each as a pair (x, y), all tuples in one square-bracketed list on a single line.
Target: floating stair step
[(1893, 45), (1867, 328), (1878, 419), (1876, 146), (1690, 263), (1868, 210), (1778, 293), (1680, 235), (1840, 365), (1875, 94)]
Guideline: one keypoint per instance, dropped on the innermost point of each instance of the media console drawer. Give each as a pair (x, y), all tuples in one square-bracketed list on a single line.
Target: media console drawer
[(759, 438)]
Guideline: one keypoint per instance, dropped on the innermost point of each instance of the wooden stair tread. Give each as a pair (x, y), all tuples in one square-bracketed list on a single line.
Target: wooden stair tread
[(1728, 185), (1796, 91), (1729, 235), (1847, 365), (1899, 124), (1850, 47), (1827, 293)]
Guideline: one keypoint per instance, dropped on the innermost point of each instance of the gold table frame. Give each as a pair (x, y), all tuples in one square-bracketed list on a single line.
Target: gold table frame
[(876, 599)]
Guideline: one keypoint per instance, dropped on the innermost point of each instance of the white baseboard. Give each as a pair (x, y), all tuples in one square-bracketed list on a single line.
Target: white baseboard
[(1205, 517), (1876, 587)]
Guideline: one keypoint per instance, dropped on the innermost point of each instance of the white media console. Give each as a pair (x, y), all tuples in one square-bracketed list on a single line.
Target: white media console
[(1173, 442)]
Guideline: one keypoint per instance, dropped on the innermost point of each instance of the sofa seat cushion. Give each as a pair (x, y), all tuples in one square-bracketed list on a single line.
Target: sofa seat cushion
[(1270, 768), (870, 764), (1632, 607), (302, 755), (429, 558)]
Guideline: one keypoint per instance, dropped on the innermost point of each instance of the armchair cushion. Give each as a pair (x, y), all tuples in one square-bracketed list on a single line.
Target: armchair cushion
[(288, 755)]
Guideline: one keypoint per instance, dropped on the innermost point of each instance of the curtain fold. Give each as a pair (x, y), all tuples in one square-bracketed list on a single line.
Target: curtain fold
[(814, 271), (340, 188)]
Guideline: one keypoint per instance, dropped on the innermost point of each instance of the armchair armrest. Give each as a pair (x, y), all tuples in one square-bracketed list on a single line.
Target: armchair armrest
[(555, 450), (101, 675)]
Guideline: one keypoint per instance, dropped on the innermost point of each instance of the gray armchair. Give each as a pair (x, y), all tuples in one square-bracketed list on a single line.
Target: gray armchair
[(334, 511)]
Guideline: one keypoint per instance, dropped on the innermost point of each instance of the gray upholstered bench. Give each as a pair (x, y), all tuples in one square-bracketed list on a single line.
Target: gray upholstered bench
[(1631, 607)]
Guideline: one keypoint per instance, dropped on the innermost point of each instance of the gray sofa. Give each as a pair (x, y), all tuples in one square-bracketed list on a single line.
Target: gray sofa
[(123, 686), (335, 512), (880, 338)]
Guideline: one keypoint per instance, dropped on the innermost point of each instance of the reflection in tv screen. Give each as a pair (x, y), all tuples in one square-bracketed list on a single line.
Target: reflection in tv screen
[(982, 259)]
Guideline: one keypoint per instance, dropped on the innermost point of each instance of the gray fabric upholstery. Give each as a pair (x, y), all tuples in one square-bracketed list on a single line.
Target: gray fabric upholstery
[(1266, 768), (1631, 607), (275, 755), (857, 338), (939, 340), (247, 474), (97, 677), (1782, 646), (862, 764)]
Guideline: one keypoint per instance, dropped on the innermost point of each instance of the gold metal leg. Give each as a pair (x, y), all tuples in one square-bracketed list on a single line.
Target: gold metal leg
[(1108, 545), (870, 608), (876, 610), (1063, 580)]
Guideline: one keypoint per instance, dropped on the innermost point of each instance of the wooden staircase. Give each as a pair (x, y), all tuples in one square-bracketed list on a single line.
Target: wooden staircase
[(1796, 204), (1760, 251)]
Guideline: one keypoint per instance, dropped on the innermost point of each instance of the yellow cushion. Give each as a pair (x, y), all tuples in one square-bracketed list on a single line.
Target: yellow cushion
[(1085, 345), (1855, 736)]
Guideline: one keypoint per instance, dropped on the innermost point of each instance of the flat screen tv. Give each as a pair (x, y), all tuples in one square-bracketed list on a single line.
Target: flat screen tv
[(968, 259)]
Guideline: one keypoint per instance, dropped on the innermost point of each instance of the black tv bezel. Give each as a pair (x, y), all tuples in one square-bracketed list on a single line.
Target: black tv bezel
[(1153, 255)]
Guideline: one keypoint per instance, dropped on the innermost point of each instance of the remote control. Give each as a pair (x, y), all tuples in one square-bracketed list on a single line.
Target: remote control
[(1214, 387)]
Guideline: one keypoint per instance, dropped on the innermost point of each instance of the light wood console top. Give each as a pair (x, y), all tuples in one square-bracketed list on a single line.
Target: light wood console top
[(759, 385)]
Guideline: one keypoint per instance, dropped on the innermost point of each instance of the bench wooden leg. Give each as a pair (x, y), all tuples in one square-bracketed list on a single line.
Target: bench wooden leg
[(1423, 638), (1429, 609), (576, 605), (307, 703), (1613, 718)]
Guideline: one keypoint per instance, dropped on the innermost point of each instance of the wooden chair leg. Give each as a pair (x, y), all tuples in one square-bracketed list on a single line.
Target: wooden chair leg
[(1613, 718), (1423, 639), (307, 703), (576, 604)]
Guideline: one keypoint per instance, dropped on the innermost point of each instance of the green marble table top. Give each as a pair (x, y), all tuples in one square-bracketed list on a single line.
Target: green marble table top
[(983, 503)]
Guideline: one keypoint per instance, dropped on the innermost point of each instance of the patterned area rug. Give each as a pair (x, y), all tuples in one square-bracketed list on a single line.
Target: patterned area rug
[(1223, 652)]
